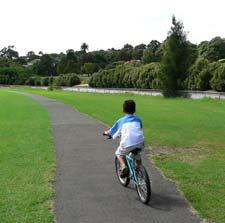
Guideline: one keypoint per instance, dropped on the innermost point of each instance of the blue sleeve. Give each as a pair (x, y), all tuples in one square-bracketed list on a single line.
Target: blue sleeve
[(114, 128), (139, 120)]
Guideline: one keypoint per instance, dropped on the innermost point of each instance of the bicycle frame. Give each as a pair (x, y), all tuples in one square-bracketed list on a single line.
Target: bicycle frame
[(131, 166)]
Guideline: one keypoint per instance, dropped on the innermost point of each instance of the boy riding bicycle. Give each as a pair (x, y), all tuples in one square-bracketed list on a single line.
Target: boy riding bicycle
[(129, 128)]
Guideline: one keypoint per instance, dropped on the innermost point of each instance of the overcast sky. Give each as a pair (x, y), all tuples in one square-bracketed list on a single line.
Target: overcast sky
[(57, 25)]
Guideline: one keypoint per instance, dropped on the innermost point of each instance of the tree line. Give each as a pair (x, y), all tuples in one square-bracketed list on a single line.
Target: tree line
[(177, 64)]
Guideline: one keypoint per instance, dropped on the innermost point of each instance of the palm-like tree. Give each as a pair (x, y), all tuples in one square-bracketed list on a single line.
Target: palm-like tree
[(84, 47)]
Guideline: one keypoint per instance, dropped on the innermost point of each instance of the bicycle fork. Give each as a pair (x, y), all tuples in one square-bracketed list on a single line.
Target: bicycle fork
[(131, 166)]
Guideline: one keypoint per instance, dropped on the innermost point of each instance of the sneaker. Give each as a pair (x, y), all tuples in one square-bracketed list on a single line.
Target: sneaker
[(124, 172)]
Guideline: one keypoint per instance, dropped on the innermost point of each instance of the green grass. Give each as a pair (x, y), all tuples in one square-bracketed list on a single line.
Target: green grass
[(26, 161), (196, 128)]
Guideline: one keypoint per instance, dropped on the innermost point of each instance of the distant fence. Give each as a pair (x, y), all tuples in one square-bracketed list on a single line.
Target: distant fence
[(150, 92)]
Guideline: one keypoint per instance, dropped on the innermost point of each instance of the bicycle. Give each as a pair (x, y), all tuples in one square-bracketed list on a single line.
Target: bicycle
[(137, 175)]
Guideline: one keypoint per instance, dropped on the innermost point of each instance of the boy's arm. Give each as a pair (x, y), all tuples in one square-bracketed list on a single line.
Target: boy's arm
[(114, 131)]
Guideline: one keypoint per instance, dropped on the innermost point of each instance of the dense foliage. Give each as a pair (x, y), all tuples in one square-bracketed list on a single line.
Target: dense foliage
[(174, 64), (13, 75), (68, 80), (128, 76)]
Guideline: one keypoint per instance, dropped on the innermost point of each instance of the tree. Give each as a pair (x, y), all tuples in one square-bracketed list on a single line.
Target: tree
[(86, 58), (72, 67), (218, 80), (9, 52), (213, 50), (128, 46), (101, 58), (70, 55), (150, 53), (21, 60), (46, 66), (31, 56), (137, 52), (125, 54), (84, 47), (174, 59), (61, 65), (89, 68)]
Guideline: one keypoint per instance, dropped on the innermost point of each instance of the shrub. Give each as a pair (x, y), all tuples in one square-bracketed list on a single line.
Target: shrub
[(45, 81), (128, 76), (37, 81), (199, 75), (218, 80), (66, 80), (50, 88), (58, 81), (70, 79), (3, 79), (14, 75), (30, 81)]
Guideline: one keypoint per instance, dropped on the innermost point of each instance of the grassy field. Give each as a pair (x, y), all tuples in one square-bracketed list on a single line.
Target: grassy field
[(26, 161), (191, 134)]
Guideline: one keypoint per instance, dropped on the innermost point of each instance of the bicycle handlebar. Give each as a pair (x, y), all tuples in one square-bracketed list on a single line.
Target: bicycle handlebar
[(106, 134)]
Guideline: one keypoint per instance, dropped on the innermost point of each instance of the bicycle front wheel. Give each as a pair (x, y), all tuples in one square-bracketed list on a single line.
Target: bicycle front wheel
[(143, 186)]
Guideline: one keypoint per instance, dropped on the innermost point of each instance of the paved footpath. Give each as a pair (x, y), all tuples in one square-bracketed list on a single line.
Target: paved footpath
[(87, 190)]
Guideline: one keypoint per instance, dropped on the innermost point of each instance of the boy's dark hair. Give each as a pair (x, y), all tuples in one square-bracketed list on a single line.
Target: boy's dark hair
[(129, 107)]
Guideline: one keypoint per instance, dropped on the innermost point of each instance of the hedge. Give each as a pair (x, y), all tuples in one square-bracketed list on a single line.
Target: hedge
[(202, 75), (128, 76), (218, 80), (62, 80), (206, 76), (66, 80), (13, 75)]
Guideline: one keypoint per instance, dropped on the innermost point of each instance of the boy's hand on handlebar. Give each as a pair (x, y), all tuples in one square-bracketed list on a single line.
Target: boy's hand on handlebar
[(106, 133)]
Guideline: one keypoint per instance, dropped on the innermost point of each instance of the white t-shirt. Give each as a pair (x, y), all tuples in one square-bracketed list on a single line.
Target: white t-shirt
[(129, 128)]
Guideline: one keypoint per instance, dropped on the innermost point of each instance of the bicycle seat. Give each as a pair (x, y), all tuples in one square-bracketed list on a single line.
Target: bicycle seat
[(136, 151)]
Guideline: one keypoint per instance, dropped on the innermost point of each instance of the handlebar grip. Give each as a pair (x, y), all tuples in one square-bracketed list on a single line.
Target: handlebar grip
[(109, 136)]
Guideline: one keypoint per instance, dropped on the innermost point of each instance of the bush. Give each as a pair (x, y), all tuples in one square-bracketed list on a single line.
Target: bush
[(37, 81), (45, 81), (14, 75), (199, 75), (128, 76), (66, 80), (70, 80), (30, 81), (218, 80), (58, 81)]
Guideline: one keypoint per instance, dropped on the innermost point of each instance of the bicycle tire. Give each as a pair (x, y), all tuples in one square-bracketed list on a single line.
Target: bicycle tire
[(123, 181), (144, 199)]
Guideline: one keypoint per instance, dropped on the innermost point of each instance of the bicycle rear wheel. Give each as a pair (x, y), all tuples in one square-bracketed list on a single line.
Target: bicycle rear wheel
[(124, 181), (144, 186)]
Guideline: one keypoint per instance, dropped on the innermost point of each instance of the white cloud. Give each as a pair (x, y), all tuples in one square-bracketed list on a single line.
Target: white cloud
[(56, 25)]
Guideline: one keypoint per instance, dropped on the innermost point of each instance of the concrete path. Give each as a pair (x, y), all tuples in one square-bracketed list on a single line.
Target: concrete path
[(87, 190)]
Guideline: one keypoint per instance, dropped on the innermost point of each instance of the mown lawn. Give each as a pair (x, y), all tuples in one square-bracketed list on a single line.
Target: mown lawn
[(26, 161), (194, 129)]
